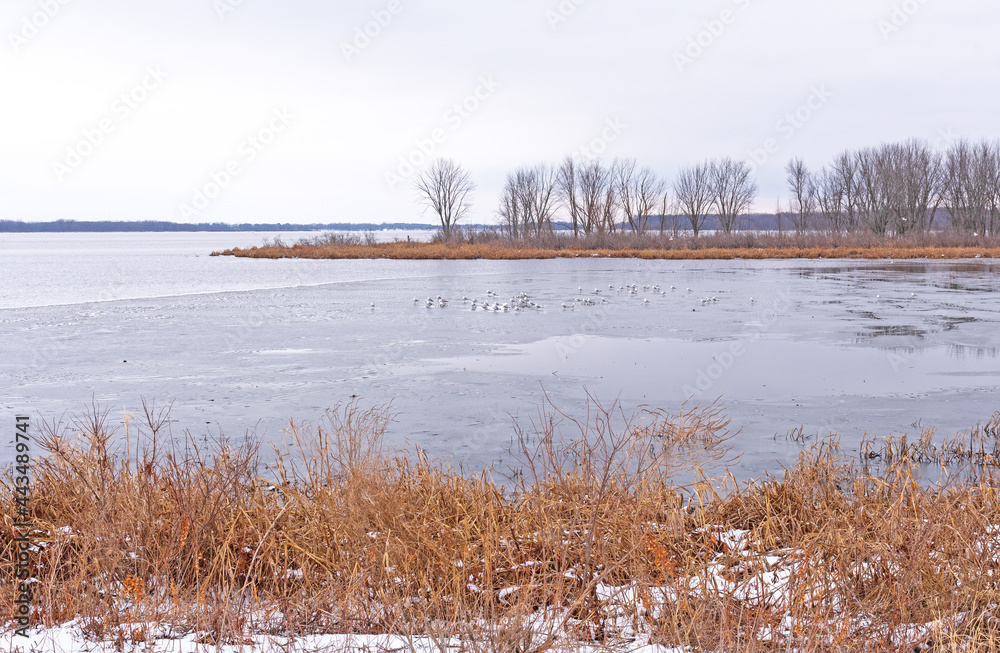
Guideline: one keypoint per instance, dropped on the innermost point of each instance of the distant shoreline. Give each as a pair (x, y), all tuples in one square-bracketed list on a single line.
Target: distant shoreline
[(156, 226)]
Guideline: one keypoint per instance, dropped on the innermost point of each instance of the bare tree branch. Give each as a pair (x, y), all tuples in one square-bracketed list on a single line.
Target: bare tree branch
[(640, 192), (801, 186), (567, 179), (527, 202), (445, 187), (733, 191), (693, 190)]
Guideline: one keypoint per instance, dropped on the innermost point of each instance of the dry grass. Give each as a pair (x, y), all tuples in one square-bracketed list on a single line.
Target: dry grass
[(590, 541), (748, 245)]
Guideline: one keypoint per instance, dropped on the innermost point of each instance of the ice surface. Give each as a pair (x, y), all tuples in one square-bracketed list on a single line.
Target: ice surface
[(241, 344)]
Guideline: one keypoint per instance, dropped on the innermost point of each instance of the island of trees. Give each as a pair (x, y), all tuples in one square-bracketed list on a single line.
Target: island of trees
[(897, 199)]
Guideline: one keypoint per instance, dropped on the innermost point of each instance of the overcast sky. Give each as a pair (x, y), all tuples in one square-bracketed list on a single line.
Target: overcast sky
[(268, 110)]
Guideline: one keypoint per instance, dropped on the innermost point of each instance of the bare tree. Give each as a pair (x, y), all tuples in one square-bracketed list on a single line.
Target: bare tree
[(512, 211), (958, 198), (610, 207), (894, 187), (733, 191), (623, 172), (972, 186), (874, 185), (803, 191), (445, 187), (915, 187), (664, 202), (567, 192), (846, 169), (829, 185), (527, 202), (542, 197), (693, 190), (598, 203), (639, 193)]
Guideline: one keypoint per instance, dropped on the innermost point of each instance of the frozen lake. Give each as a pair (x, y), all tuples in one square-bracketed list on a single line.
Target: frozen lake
[(241, 344)]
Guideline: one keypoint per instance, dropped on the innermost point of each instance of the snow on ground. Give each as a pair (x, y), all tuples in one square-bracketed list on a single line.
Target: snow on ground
[(68, 639), (740, 570)]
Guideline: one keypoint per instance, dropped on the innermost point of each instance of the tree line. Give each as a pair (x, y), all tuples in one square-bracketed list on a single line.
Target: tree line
[(899, 188), (892, 189)]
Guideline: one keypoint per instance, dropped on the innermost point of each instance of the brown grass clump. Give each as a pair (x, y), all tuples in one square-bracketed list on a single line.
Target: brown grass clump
[(747, 245), (589, 541)]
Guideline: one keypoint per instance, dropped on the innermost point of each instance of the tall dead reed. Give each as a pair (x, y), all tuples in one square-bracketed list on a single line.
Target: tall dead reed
[(589, 540)]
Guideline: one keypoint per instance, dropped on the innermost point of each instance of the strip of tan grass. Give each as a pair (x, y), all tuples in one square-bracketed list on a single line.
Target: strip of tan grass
[(591, 543), (747, 245), (465, 251)]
